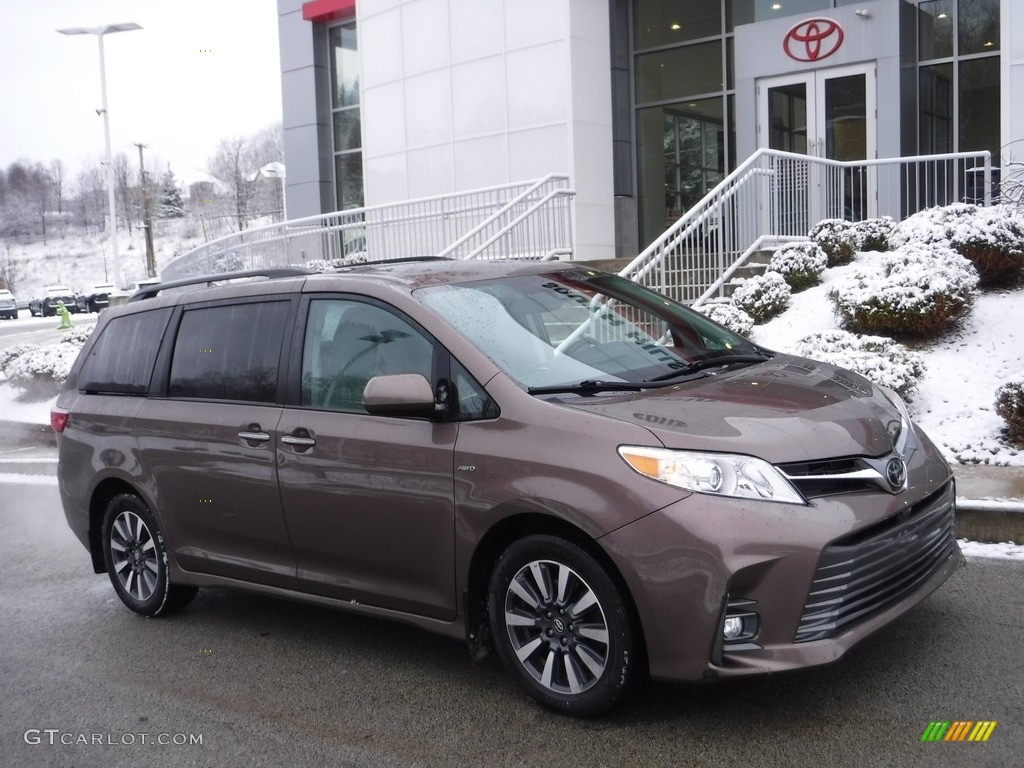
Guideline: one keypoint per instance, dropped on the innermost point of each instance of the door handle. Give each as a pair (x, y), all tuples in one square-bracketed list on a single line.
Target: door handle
[(298, 442), (254, 437)]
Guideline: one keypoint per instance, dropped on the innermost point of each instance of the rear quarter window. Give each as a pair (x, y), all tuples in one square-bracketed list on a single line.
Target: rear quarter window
[(121, 360)]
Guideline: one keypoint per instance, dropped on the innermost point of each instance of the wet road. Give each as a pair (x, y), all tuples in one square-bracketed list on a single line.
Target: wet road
[(263, 682)]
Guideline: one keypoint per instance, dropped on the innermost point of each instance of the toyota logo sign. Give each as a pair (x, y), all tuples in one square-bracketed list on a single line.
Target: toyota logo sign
[(813, 40)]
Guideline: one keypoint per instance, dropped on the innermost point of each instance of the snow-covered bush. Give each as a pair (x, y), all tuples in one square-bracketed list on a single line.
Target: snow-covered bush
[(10, 354), (800, 263), (763, 297), (837, 238), (873, 234), (876, 358), (729, 315), (1010, 406), (990, 238), (917, 291), (40, 371)]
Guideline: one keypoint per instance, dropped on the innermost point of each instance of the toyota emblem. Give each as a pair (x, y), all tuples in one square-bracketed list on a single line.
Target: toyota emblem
[(896, 473), (813, 40)]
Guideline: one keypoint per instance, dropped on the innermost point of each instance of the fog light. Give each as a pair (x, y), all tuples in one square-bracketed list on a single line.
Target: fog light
[(733, 627)]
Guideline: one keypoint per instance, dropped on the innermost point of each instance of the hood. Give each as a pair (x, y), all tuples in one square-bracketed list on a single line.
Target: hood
[(785, 409)]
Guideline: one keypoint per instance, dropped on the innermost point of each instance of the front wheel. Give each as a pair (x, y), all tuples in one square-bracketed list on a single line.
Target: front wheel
[(561, 626), (133, 548)]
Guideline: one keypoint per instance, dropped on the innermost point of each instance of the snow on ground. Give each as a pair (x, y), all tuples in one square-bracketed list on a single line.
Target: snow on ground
[(955, 400), (974, 550)]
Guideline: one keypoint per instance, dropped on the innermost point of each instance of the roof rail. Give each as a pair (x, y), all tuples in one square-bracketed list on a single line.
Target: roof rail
[(279, 272)]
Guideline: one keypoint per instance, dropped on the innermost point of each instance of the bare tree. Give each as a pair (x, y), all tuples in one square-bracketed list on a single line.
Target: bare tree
[(90, 190), (57, 176), (124, 188), (233, 165), (8, 273)]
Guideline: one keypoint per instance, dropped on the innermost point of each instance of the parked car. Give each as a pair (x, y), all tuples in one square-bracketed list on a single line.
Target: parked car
[(96, 297), (46, 306), (548, 461), (8, 305)]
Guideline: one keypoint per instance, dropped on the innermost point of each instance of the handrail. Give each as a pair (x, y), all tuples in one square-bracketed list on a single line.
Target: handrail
[(435, 225), (777, 196)]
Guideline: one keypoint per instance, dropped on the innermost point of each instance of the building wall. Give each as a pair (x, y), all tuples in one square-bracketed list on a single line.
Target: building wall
[(462, 94), (305, 113)]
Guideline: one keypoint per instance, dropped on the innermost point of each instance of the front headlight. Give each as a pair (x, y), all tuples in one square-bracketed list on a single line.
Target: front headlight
[(901, 432), (719, 474)]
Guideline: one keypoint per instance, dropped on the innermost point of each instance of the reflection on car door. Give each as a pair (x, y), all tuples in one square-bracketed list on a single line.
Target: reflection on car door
[(368, 499)]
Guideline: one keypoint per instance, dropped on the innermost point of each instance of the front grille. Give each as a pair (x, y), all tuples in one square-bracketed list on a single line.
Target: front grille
[(827, 477), (867, 572)]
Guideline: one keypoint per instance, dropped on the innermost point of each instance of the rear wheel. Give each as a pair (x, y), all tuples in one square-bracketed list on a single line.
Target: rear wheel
[(133, 549), (561, 626)]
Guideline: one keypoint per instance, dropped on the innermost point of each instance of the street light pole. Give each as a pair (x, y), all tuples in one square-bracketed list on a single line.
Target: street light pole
[(112, 217)]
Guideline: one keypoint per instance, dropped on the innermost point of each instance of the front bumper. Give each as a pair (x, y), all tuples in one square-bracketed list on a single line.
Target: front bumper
[(820, 578)]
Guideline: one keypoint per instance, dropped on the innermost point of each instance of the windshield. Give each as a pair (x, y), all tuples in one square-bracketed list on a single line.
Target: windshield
[(581, 326)]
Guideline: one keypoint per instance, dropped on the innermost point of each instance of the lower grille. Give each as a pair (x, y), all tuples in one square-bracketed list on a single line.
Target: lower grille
[(865, 573)]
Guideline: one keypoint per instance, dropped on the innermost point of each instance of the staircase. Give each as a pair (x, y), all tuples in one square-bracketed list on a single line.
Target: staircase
[(775, 197)]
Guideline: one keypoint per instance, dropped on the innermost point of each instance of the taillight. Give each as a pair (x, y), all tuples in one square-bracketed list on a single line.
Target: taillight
[(58, 420)]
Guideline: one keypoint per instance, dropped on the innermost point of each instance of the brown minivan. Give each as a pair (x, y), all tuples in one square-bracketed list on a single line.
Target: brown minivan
[(543, 459)]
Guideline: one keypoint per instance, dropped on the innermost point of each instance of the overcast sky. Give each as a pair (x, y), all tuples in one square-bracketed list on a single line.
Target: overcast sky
[(198, 71)]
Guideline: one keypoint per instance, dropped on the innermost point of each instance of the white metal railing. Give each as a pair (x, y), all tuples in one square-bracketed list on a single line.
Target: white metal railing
[(776, 196), (530, 219)]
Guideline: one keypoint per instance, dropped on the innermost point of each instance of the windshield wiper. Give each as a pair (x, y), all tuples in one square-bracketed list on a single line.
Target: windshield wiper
[(589, 387), (711, 362)]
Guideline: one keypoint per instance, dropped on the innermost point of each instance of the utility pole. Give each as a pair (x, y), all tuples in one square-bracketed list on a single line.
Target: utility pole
[(147, 221)]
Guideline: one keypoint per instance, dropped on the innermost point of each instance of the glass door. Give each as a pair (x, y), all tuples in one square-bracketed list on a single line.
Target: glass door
[(829, 114)]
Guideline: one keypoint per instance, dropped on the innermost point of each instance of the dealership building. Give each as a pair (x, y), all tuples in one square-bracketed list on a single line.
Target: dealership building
[(646, 105)]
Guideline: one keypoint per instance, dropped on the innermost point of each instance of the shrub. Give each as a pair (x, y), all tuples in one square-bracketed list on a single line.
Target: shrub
[(762, 297), (990, 238), (729, 315), (328, 265), (873, 234), (837, 238), (10, 354), (42, 371), (801, 264), (917, 291), (1010, 406), (876, 358)]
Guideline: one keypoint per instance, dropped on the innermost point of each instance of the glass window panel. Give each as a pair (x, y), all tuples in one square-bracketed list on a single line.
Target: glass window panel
[(681, 72), (229, 352), (347, 133), (348, 174), (787, 118), (344, 66), (936, 95), (979, 105), (935, 29), (978, 26), (123, 363), (845, 118), (348, 343), (671, 184), (666, 22)]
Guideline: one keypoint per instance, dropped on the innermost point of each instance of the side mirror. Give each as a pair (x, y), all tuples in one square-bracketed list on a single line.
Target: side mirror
[(400, 394)]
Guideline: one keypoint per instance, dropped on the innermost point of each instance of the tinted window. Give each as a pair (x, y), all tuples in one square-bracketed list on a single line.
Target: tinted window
[(348, 343), (229, 352), (121, 360)]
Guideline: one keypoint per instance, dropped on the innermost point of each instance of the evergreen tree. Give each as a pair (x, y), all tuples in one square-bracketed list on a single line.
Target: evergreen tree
[(172, 206)]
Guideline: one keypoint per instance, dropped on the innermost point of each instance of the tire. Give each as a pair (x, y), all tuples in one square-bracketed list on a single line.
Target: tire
[(136, 558), (561, 626)]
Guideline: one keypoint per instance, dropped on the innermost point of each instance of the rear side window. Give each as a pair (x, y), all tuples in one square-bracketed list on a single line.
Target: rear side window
[(121, 360), (229, 352)]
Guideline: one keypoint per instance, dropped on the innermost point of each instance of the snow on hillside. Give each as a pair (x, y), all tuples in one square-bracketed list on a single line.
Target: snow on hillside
[(955, 397)]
